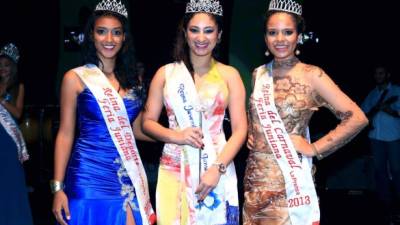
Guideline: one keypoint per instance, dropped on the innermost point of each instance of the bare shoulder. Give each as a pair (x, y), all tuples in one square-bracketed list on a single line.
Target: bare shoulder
[(159, 76), (158, 81), (71, 80), (71, 76), (161, 70), (312, 71), (314, 75)]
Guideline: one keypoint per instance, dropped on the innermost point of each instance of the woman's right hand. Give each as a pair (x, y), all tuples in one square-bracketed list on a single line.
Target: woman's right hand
[(192, 136), (60, 203)]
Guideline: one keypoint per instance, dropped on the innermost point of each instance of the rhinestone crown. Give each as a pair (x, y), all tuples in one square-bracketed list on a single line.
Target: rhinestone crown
[(113, 6), (208, 6), (286, 6), (11, 51)]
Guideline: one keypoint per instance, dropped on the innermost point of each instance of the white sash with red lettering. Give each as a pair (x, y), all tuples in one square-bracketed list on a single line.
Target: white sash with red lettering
[(185, 103), (13, 130), (118, 124), (302, 199)]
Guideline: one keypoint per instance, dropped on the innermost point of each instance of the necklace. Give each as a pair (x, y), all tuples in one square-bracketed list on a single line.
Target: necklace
[(285, 64), (281, 68)]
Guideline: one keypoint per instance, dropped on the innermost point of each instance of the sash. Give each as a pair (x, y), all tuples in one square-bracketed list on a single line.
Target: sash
[(118, 124), (302, 199), (12, 129), (188, 110)]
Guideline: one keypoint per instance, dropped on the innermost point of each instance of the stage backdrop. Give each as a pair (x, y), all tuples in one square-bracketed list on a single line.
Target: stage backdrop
[(247, 46)]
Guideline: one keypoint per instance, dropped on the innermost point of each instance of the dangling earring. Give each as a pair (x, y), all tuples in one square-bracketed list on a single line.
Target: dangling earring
[(297, 52), (266, 53)]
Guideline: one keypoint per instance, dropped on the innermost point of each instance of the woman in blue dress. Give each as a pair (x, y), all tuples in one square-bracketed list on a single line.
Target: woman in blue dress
[(98, 177), (14, 203)]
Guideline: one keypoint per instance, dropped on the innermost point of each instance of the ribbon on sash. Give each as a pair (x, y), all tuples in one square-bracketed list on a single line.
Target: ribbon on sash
[(12, 129), (116, 117), (188, 109), (302, 198)]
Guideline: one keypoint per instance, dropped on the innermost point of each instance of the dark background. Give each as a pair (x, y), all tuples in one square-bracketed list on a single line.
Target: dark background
[(354, 35)]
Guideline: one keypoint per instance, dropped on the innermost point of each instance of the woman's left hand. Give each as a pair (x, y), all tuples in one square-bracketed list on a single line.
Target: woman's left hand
[(301, 145), (208, 182)]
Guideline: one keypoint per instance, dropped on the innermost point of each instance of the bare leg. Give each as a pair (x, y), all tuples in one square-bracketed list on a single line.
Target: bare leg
[(129, 216)]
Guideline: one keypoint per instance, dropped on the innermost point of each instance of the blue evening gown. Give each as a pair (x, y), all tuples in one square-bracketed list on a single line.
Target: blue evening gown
[(14, 203), (97, 185)]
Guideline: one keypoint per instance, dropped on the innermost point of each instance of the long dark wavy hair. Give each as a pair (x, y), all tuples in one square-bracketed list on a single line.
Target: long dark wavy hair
[(181, 48), (125, 62)]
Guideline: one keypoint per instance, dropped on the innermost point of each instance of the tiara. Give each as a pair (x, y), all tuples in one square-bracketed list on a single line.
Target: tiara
[(286, 6), (113, 6), (208, 6), (11, 51)]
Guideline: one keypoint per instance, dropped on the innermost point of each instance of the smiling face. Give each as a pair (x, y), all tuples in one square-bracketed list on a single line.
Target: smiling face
[(281, 35), (202, 34), (6, 69), (108, 37)]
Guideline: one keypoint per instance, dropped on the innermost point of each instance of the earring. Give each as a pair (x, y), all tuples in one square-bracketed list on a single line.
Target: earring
[(297, 52), (266, 53), (300, 39)]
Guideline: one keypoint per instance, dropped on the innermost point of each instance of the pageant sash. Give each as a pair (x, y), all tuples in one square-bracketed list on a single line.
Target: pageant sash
[(188, 110), (12, 129), (302, 199), (118, 124)]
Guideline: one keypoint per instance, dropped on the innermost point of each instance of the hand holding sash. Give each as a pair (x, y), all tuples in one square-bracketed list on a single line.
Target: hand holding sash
[(206, 183), (190, 136), (215, 192)]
